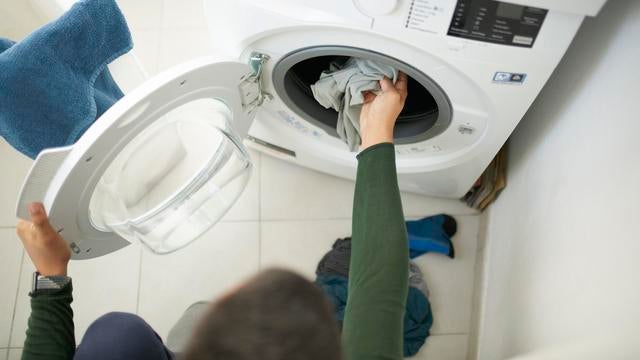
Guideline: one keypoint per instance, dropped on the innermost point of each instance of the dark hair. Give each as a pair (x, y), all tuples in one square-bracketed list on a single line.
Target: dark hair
[(277, 315)]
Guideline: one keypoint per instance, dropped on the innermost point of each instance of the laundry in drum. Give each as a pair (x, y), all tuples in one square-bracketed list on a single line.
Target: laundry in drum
[(342, 86)]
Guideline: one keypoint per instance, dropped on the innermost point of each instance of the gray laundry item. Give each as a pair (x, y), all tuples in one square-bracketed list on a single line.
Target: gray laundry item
[(341, 88), (336, 263), (416, 279), (181, 332)]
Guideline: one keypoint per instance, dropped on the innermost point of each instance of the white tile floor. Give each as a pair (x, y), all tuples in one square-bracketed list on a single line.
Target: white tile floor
[(14, 354), (288, 216)]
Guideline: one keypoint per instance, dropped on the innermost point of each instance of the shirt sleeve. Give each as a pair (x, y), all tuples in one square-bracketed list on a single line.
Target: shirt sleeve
[(50, 331), (378, 275)]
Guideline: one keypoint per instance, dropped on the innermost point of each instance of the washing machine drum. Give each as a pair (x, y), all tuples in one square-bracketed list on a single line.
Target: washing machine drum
[(159, 168), (427, 110)]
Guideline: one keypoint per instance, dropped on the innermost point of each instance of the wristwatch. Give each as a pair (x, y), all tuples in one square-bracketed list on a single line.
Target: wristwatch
[(47, 284)]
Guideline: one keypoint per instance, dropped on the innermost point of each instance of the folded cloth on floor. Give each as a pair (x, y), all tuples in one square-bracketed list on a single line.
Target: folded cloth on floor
[(336, 263), (336, 288), (341, 88), (54, 83), (431, 234), (418, 318), (416, 279)]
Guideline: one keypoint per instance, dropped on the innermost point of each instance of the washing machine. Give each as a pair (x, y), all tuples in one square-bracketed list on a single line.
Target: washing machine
[(475, 67), (167, 161)]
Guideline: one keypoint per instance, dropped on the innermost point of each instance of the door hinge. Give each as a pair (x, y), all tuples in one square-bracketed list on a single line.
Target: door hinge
[(251, 87)]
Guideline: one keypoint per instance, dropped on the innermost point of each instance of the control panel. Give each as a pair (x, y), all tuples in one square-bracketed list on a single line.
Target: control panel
[(497, 22), (431, 16)]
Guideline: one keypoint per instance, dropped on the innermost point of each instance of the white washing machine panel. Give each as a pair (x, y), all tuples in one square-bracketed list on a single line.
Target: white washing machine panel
[(484, 107)]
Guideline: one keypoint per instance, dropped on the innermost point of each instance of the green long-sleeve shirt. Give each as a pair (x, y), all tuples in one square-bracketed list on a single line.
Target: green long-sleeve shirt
[(378, 272), (372, 328), (50, 333)]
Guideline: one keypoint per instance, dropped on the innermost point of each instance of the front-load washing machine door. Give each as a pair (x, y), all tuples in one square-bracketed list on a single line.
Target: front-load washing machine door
[(161, 167)]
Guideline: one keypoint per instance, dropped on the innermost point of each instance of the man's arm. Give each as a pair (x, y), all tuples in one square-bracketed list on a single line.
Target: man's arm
[(50, 332), (378, 276)]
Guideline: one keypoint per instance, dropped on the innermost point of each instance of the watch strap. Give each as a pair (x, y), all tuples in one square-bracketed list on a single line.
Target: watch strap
[(48, 284)]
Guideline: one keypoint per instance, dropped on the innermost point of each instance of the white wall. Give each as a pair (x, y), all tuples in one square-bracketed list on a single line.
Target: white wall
[(562, 260), (13, 24)]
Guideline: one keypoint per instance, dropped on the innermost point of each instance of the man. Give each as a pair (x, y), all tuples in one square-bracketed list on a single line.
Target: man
[(277, 315)]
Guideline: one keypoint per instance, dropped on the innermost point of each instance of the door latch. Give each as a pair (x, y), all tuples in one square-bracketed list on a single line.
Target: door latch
[(253, 94)]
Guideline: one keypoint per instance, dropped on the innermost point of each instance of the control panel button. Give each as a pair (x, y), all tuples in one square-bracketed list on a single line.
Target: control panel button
[(430, 16), (509, 78), (517, 77), (374, 8)]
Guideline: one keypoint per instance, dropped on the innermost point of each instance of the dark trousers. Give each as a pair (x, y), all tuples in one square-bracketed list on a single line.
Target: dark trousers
[(118, 335)]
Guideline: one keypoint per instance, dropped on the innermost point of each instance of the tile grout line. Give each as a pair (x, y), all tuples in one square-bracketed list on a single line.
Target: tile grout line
[(476, 300), (239, 221), (307, 220), (163, 7), (15, 301), (157, 30), (161, 30), (260, 174), (139, 281)]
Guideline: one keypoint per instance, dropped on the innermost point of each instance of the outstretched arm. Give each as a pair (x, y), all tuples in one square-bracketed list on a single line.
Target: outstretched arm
[(378, 276), (50, 332)]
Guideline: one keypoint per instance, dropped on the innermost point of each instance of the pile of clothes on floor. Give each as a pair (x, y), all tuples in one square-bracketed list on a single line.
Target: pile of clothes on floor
[(432, 234)]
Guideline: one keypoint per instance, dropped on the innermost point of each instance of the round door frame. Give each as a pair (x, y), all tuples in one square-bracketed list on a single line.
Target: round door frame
[(280, 70), (68, 193)]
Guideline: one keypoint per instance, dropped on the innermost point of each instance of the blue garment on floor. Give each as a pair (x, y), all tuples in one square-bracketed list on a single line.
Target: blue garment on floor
[(417, 318), (54, 84), (431, 234), (336, 288)]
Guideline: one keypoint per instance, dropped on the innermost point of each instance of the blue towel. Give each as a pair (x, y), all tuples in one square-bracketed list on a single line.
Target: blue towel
[(55, 83), (431, 234), (418, 317)]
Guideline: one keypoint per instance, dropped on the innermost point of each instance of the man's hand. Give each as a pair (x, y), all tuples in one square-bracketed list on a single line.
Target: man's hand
[(48, 251), (380, 112)]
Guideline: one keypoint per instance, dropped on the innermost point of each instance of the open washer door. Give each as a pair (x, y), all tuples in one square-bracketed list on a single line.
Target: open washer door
[(152, 170)]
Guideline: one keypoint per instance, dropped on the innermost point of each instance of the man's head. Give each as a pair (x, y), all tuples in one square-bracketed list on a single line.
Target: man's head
[(277, 315)]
